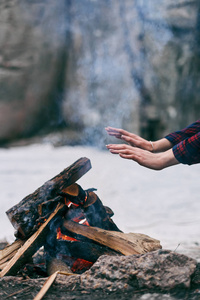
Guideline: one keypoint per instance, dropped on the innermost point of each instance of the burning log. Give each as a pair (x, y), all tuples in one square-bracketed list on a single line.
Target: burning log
[(30, 246), (73, 223), (124, 243), (28, 213)]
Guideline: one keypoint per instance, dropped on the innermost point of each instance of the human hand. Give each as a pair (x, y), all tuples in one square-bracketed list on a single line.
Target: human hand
[(155, 161), (131, 138)]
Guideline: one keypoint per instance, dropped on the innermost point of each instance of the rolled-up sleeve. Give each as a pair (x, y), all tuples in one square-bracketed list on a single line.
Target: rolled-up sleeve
[(178, 136), (188, 150)]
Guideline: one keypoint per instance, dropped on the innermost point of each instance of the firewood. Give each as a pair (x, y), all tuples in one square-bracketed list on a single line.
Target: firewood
[(25, 215), (49, 282), (74, 193), (30, 246), (124, 243), (55, 265), (8, 252)]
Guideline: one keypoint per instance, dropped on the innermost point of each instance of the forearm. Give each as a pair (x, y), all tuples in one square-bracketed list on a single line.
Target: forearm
[(157, 161), (154, 161), (167, 159), (161, 145)]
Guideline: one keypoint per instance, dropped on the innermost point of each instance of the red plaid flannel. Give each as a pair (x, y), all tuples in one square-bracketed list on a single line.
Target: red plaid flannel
[(186, 144)]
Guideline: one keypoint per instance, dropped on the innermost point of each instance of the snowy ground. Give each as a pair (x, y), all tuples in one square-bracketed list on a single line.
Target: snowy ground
[(163, 204)]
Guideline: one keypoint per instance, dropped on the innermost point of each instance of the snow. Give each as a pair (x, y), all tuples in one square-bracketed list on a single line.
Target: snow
[(162, 204)]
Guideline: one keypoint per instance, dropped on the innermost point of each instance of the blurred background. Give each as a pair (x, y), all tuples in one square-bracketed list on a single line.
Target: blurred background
[(69, 68)]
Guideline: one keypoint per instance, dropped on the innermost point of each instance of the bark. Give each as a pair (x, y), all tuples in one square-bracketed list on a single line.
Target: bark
[(30, 246), (36, 207)]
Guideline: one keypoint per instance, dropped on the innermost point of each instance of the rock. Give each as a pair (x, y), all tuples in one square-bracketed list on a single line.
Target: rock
[(32, 41), (156, 275), (90, 64), (132, 65), (161, 270), (171, 43), (100, 90), (196, 275)]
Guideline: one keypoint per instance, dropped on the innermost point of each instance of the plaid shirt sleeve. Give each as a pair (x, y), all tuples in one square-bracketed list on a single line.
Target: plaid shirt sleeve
[(188, 151), (186, 143), (178, 136)]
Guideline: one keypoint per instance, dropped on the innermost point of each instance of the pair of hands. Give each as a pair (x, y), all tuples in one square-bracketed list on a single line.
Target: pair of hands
[(157, 155)]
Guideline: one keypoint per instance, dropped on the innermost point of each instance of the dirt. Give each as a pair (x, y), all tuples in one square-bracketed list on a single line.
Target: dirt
[(25, 289)]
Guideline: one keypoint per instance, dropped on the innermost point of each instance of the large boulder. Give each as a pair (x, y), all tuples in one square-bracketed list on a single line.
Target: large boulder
[(32, 43), (131, 64), (161, 270), (171, 41)]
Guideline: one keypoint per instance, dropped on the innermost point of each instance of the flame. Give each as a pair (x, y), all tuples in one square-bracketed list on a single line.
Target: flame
[(69, 203), (81, 219), (61, 236), (79, 265)]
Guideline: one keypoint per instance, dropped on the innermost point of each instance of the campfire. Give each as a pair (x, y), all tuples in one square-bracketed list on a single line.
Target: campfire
[(70, 223)]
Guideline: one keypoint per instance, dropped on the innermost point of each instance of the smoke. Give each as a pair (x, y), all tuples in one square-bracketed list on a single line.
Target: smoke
[(104, 52), (112, 47), (154, 23)]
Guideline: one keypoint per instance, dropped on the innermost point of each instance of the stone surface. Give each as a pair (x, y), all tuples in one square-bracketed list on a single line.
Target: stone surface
[(157, 275), (159, 270), (96, 63), (32, 42)]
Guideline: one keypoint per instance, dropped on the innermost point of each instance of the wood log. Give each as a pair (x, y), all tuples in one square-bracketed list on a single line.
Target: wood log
[(124, 243), (49, 282), (8, 252), (30, 246), (29, 211)]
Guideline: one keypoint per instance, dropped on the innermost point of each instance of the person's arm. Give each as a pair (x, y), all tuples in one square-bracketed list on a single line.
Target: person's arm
[(154, 161), (137, 141)]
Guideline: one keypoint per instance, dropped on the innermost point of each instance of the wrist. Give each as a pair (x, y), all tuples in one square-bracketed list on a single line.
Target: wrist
[(152, 147), (168, 159)]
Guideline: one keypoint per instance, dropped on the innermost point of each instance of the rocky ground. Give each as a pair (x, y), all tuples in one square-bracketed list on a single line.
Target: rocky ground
[(161, 274)]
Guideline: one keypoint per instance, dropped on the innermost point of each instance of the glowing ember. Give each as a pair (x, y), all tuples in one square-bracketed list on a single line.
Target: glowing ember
[(61, 236), (80, 265), (69, 203)]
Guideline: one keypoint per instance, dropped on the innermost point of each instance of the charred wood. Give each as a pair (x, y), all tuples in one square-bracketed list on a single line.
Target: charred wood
[(30, 246), (25, 215)]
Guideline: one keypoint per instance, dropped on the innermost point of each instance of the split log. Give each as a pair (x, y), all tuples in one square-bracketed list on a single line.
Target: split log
[(26, 215), (31, 245), (49, 282), (124, 243), (8, 252)]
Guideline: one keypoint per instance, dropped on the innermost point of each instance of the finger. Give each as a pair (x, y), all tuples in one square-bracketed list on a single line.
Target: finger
[(128, 140), (117, 135), (112, 130), (127, 156), (121, 151), (114, 151), (119, 146)]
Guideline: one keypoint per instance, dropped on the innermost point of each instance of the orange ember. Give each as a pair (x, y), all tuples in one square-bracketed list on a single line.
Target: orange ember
[(61, 236), (81, 264)]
